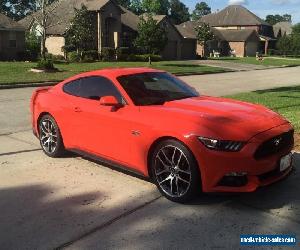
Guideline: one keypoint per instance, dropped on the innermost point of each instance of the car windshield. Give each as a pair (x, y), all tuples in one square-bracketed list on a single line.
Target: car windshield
[(155, 88)]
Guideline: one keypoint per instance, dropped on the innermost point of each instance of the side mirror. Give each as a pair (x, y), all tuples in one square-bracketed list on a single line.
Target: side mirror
[(109, 101)]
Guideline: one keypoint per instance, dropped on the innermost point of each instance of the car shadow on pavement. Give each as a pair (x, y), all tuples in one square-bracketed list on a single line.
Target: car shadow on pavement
[(32, 219)]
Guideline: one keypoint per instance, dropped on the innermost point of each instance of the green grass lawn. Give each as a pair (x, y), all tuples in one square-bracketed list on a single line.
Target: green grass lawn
[(285, 101), (18, 72), (266, 62)]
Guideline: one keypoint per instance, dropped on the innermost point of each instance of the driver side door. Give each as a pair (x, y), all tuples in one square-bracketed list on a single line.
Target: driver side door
[(102, 130)]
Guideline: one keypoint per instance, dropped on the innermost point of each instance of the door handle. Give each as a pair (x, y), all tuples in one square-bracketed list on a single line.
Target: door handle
[(77, 110)]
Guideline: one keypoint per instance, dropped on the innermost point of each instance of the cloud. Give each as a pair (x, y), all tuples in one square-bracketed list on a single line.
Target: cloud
[(238, 2)]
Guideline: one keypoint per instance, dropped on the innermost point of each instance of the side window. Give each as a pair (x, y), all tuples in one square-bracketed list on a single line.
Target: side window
[(93, 88), (96, 87), (73, 88)]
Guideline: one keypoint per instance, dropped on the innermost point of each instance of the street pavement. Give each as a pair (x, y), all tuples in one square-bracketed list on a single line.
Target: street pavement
[(77, 203)]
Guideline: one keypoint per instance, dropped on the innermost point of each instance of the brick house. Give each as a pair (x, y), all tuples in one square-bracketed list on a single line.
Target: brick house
[(236, 28), (115, 27), (12, 39)]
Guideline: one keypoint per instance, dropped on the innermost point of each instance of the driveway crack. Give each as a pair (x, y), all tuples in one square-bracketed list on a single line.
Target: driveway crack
[(106, 224)]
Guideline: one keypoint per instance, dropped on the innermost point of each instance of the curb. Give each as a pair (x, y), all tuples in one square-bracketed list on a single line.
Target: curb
[(27, 85)]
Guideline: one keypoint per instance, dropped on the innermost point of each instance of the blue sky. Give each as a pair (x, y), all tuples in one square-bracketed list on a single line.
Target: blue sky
[(259, 7)]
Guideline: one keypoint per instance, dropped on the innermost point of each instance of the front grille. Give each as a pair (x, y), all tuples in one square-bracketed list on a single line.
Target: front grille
[(275, 145), (233, 181)]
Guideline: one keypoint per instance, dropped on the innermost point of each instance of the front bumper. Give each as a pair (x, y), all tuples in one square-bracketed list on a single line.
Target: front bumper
[(215, 165)]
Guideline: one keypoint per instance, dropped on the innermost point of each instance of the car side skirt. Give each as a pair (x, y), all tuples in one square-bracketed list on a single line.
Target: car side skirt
[(111, 164)]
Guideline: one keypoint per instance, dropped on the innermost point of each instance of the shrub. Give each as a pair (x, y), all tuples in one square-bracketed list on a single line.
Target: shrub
[(108, 54), (33, 47), (68, 48), (24, 55), (89, 56), (55, 57), (122, 53), (73, 56), (46, 64)]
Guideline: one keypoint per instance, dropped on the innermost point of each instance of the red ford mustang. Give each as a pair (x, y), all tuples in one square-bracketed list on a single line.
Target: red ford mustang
[(152, 123)]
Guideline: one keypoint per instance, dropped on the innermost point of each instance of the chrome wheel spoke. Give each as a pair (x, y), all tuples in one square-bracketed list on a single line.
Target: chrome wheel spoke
[(162, 172), (176, 183), (169, 161), (166, 179), (173, 156), (183, 171), (171, 184), (43, 127), (179, 159), (162, 162), (183, 180)]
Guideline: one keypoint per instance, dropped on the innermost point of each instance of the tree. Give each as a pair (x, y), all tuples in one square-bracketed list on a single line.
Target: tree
[(125, 3), (18, 9), (201, 9), (179, 13), (296, 29), (81, 34), (151, 38), (273, 19), (285, 44), (157, 7), (296, 43), (287, 18), (136, 7), (44, 19), (204, 34)]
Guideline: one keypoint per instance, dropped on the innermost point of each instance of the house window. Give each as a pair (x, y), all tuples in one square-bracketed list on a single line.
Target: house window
[(12, 39)]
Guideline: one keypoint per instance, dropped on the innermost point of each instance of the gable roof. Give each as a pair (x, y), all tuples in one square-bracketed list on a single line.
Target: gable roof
[(157, 18), (233, 15), (235, 35), (63, 14), (7, 23), (129, 19), (187, 29)]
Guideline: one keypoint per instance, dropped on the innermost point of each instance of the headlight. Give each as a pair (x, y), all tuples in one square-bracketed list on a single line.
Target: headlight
[(221, 145)]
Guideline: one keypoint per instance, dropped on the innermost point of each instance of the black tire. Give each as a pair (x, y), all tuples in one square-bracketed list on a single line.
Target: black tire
[(179, 167), (49, 131)]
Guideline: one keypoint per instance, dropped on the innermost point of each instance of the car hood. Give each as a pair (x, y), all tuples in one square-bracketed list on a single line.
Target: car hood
[(222, 118)]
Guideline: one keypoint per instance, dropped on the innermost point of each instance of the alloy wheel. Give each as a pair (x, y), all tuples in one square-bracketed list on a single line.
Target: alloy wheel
[(172, 171), (48, 136)]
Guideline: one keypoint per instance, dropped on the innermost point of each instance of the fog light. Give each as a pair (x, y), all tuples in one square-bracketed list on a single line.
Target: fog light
[(237, 174)]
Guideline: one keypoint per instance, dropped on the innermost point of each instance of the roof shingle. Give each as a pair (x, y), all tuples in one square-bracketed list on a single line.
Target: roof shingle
[(233, 15), (7, 23)]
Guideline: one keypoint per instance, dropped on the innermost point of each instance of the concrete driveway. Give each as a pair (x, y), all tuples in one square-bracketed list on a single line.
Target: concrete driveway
[(80, 204), (235, 66)]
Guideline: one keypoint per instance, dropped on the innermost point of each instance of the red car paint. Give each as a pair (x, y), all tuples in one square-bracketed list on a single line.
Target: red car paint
[(126, 135)]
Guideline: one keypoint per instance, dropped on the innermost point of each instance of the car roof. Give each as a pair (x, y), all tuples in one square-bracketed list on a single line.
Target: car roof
[(112, 73)]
